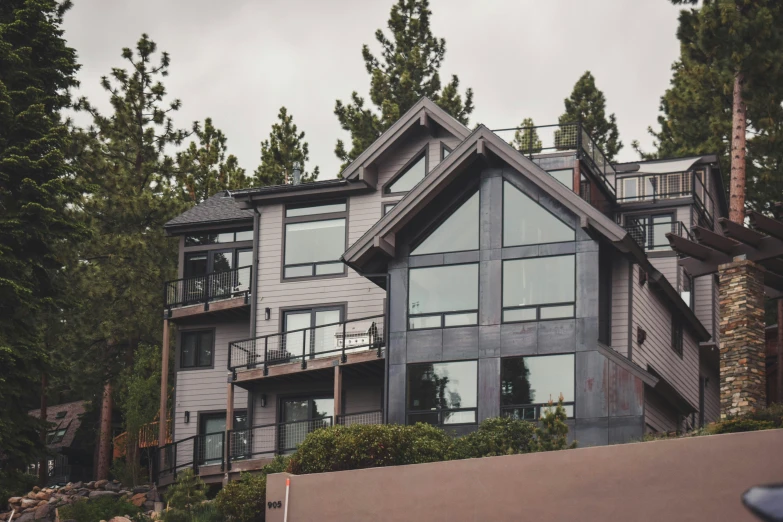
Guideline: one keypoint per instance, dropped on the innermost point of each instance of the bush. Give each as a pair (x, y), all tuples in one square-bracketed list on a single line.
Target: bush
[(101, 508), (243, 500), (498, 436), (772, 413), (552, 434), (740, 425), (278, 465), (184, 497), (359, 446), (15, 484)]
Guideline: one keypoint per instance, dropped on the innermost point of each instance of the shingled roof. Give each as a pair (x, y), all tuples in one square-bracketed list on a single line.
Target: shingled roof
[(67, 417), (220, 208)]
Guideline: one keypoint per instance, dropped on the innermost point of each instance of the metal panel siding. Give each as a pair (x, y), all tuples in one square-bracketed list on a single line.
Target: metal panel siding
[(205, 390), (620, 305), (653, 315)]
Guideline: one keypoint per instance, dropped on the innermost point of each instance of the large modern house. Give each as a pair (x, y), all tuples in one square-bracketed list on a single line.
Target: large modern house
[(447, 277)]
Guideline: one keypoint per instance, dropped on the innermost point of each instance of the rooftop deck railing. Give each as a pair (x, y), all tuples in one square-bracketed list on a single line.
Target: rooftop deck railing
[(651, 188), (547, 139), (209, 287), (651, 235), (355, 335)]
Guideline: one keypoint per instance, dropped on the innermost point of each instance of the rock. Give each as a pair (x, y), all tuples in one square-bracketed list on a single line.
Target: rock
[(77, 485), (84, 492), (149, 505), (91, 485), (110, 486), (31, 495), (153, 495), (36, 489), (140, 489), (138, 499), (120, 519), (26, 517), (15, 500), (42, 495), (98, 484), (4, 516), (97, 494), (43, 511), (28, 503)]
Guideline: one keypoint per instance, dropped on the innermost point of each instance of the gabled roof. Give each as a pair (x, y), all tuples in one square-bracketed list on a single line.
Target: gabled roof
[(380, 239), (423, 113), (219, 209), (67, 416)]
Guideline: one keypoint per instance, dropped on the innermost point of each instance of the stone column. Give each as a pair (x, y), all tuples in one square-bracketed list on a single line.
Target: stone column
[(742, 357)]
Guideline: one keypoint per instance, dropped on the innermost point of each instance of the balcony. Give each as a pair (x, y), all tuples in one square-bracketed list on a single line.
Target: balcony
[(651, 234), (316, 347), (210, 292), (653, 188)]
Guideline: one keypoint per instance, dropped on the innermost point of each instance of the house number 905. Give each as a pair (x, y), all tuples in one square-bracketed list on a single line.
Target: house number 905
[(275, 504)]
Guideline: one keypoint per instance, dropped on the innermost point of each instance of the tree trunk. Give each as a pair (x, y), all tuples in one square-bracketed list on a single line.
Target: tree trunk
[(737, 183), (780, 353), (43, 467), (104, 440)]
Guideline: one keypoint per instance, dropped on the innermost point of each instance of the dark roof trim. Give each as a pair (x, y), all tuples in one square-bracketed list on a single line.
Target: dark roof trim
[(206, 226), (670, 393), (303, 192), (421, 112), (622, 361)]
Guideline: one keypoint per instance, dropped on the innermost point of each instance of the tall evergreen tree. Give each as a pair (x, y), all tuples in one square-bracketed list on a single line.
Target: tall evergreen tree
[(204, 169), (124, 265), (284, 149), (526, 139), (587, 104), (407, 69), (37, 70)]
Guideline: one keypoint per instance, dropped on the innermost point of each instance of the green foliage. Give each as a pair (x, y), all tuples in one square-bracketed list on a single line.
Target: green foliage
[(204, 168), (243, 500), (526, 139), (278, 465), (740, 425), (587, 104), (37, 70), (101, 508), (407, 69), (358, 447), (495, 437), (14, 484), (184, 497), (284, 149), (552, 434)]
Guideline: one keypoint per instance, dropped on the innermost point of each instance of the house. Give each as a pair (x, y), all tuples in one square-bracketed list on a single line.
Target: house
[(445, 278), (71, 450)]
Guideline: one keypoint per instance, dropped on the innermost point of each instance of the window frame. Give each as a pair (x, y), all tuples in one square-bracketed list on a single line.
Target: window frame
[(440, 219), (537, 405), (648, 245), (313, 218), (440, 412), (217, 233), (442, 315), (570, 169), (181, 344), (503, 244), (537, 306), (445, 150), (424, 151), (387, 207), (678, 336)]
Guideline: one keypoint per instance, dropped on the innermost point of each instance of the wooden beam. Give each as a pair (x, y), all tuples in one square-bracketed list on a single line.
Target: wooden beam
[(740, 233), (693, 249), (715, 241), (369, 174), (214, 306), (773, 281), (481, 148), (426, 122), (765, 224), (698, 268), (385, 246), (773, 265)]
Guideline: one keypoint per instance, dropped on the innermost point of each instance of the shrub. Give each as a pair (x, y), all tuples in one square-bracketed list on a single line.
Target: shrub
[(772, 413), (243, 500), (359, 446), (498, 436), (739, 425), (15, 484), (278, 465), (184, 497), (101, 508), (552, 434)]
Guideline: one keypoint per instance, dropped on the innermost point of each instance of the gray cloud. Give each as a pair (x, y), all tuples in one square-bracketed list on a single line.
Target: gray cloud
[(239, 61)]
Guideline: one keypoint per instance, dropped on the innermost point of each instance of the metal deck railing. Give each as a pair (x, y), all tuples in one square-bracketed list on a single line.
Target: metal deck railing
[(209, 287)]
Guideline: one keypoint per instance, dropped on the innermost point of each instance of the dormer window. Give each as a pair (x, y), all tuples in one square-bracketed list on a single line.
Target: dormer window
[(409, 176)]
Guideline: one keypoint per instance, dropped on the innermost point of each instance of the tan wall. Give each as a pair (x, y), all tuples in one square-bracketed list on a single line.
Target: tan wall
[(687, 479)]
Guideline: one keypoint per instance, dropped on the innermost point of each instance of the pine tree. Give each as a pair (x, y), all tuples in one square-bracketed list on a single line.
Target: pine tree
[(37, 69), (587, 104), (526, 139), (284, 149), (407, 69), (204, 168), (552, 432)]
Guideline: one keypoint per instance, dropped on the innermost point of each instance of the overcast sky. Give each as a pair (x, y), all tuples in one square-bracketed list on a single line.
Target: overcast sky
[(238, 61)]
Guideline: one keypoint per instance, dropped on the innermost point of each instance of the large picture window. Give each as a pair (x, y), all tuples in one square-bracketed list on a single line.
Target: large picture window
[(539, 288), (197, 349), (443, 393), (458, 232), (527, 384), (525, 222), (314, 240), (443, 296)]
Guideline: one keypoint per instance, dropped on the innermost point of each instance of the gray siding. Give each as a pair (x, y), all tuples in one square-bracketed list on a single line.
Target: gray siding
[(704, 301), (711, 392), (653, 315), (205, 390), (620, 304), (659, 416), (668, 266)]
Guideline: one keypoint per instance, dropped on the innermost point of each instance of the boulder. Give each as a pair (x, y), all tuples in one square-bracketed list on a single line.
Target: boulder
[(149, 505), (110, 486), (26, 517), (15, 500), (77, 485), (84, 492), (120, 519), (4, 516), (98, 493), (43, 511), (42, 495), (91, 485), (36, 489), (140, 489), (28, 503), (138, 499), (99, 484), (31, 495)]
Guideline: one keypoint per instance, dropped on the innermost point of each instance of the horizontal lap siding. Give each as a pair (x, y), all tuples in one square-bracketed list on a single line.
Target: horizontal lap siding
[(659, 416), (711, 393), (620, 305), (205, 390), (668, 266), (654, 316), (704, 301)]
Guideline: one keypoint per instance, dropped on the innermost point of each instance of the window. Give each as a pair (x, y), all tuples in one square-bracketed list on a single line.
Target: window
[(409, 176), (564, 176), (60, 415), (444, 151), (650, 231), (211, 430), (388, 206), (459, 232), (212, 238), (527, 384), (443, 296), (525, 222), (314, 331), (299, 416), (677, 336), (56, 436), (686, 292), (196, 350), (539, 288), (443, 393), (314, 240)]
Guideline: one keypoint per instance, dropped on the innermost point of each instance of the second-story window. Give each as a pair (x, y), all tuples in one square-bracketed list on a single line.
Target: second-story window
[(525, 222), (410, 174), (539, 288), (443, 296), (196, 350), (315, 238), (650, 231)]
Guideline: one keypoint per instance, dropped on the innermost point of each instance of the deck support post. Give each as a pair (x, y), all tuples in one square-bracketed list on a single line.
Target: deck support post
[(338, 392), (229, 426)]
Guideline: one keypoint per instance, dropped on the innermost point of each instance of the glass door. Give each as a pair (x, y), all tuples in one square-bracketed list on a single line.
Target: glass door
[(296, 342), (196, 269), (325, 333), (222, 279), (321, 328), (212, 430)]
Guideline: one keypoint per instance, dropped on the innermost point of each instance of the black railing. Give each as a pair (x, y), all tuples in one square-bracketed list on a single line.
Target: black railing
[(209, 287), (193, 452), (651, 235), (650, 188), (363, 417), (268, 440), (341, 338), (547, 139), (533, 412)]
